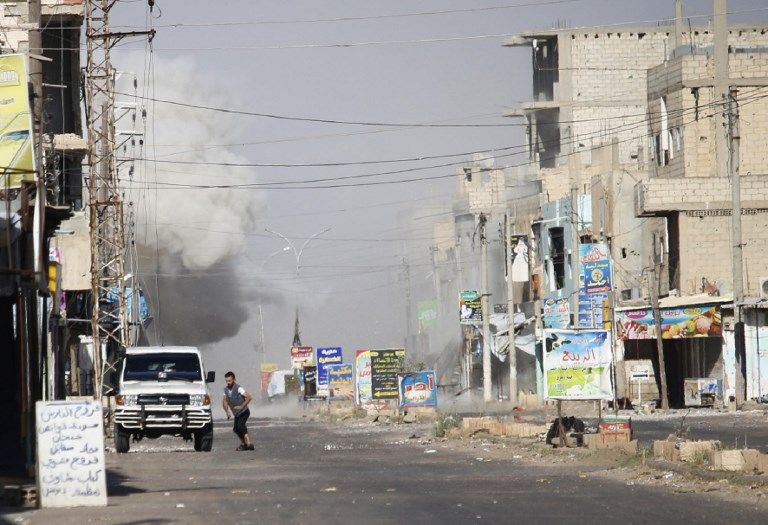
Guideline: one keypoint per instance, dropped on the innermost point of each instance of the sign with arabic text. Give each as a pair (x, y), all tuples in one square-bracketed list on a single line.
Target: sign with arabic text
[(577, 365), (363, 377), (70, 454), (470, 307), (418, 389), (556, 313), (302, 356), (341, 382), (595, 267), (326, 356), (385, 365), (16, 153)]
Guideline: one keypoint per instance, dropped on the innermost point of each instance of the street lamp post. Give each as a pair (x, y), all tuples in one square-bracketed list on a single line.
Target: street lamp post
[(297, 253)]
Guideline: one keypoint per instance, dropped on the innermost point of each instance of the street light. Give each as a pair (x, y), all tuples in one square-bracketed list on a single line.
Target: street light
[(300, 251), (297, 254)]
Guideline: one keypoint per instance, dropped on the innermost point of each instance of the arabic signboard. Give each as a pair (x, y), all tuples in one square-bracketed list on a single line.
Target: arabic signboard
[(363, 377), (341, 382), (470, 308), (309, 379), (591, 309), (595, 268), (385, 365), (70, 454), (427, 313), (577, 365), (557, 313), (418, 389), (326, 356), (676, 323), (16, 156), (302, 355)]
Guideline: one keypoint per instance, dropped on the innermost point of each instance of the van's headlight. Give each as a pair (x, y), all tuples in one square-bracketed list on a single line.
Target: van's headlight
[(127, 400), (199, 400)]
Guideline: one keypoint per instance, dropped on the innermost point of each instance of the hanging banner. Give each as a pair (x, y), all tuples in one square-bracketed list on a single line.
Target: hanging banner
[(326, 356), (341, 382), (595, 268), (363, 377), (418, 389), (267, 369), (385, 365), (556, 313), (577, 365), (470, 308), (301, 356), (16, 152), (676, 323)]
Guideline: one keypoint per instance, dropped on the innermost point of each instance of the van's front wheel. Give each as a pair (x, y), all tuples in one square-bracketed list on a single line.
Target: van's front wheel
[(122, 440), (204, 439)]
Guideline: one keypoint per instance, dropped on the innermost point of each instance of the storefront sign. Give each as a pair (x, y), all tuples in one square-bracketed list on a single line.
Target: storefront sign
[(595, 268), (385, 365), (341, 382), (676, 323), (326, 356), (418, 389), (577, 365), (591, 309), (470, 308)]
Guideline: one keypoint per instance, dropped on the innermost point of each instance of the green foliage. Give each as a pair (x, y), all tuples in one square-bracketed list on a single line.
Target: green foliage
[(444, 423)]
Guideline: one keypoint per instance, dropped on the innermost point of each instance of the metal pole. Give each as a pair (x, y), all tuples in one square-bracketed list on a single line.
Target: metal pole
[(654, 290), (737, 252), (511, 315), (487, 381), (574, 302)]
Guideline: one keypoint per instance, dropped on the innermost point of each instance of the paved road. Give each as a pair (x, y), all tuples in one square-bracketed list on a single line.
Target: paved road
[(309, 473)]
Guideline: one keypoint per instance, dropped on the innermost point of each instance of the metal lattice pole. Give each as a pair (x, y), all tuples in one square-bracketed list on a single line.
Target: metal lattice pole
[(109, 319)]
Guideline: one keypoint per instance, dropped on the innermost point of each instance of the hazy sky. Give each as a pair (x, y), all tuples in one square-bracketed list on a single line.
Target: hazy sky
[(349, 285)]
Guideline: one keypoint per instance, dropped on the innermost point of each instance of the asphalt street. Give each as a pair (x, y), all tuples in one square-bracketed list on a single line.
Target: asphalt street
[(306, 472)]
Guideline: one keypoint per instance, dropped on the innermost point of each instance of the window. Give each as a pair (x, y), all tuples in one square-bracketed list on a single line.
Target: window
[(557, 256)]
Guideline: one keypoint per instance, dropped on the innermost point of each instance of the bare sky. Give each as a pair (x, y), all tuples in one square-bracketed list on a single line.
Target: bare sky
[(349, 285)]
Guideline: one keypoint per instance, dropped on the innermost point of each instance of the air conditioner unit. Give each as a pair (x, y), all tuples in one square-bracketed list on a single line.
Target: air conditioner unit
[(764, 287)]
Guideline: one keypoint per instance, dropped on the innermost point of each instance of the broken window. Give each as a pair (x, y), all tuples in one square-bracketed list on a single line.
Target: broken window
[(557, 256)]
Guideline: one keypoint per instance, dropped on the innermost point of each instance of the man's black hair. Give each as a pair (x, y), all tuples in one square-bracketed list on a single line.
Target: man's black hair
[(230, 374)]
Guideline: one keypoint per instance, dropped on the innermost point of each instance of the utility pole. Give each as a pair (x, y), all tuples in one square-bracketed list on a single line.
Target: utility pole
[(408, 310), (654, 292), (734, 136), (511, 315), (484, 296), (575, 270), (109, 321)]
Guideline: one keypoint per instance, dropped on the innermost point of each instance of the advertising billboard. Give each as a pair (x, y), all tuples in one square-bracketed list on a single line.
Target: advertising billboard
[(470, 308), (341, 382), (16, 145), (385, 365), (577, 365), (676, 323), (418, 389), (326, 356)]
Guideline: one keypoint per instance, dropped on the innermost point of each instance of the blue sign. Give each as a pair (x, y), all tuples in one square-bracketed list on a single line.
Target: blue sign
[(591, 309), (341, 382), (595, 268), (324, 357), (556, 313), (418, 389)]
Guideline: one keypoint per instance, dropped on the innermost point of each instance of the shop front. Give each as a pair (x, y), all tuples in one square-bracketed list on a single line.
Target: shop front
[(695, 362)]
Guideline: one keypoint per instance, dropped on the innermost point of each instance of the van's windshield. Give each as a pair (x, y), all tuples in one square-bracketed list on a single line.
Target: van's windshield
[(166, 366)]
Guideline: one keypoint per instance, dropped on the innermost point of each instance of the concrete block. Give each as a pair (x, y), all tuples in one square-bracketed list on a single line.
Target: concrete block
[(726, 460), (751, 460), (690, 449)]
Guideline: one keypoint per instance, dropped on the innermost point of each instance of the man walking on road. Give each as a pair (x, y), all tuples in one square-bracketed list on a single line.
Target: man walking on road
[(235, 402)]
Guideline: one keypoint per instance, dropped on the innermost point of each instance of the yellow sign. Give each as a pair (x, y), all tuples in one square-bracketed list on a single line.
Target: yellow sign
[(269, 367), (16, 158)]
